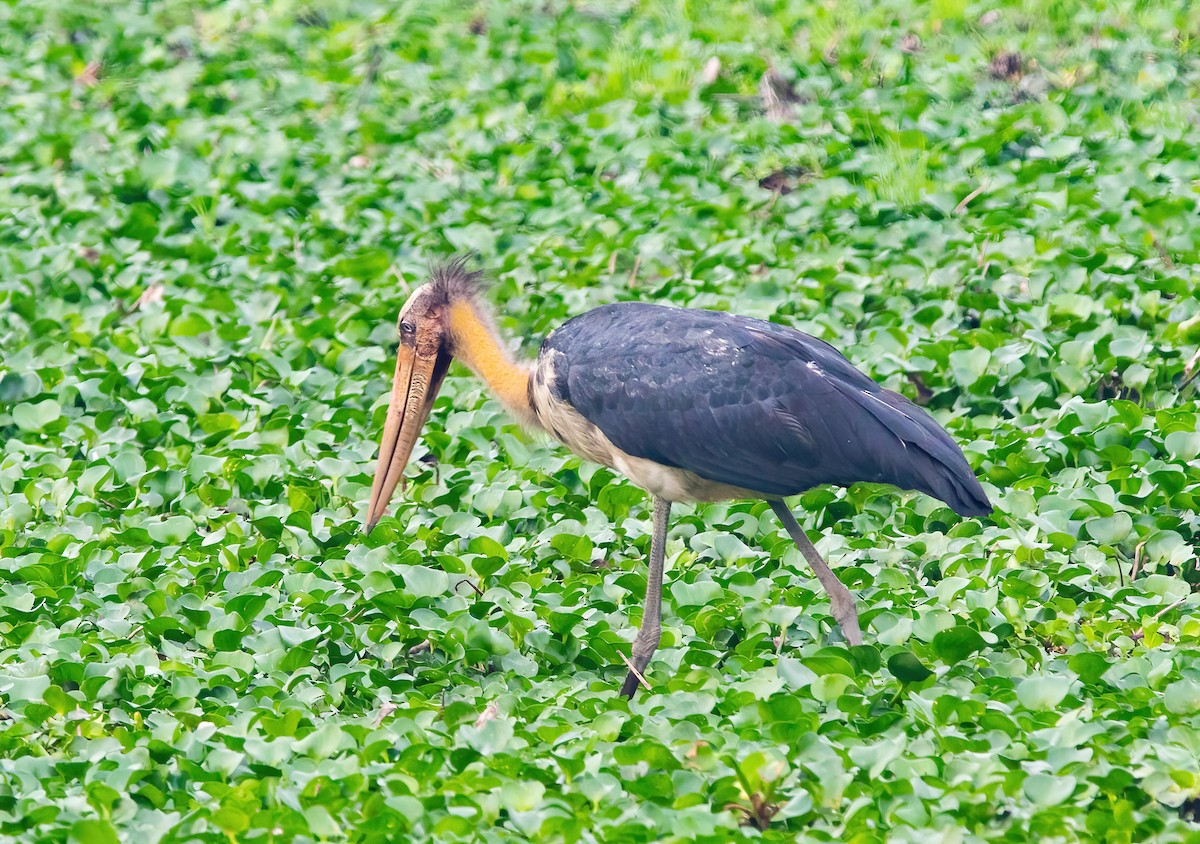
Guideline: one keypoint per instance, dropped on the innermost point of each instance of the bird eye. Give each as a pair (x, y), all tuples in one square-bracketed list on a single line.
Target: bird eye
[(407, 327)]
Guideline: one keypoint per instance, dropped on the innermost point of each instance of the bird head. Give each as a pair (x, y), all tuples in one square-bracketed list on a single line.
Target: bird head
[(426, 349)]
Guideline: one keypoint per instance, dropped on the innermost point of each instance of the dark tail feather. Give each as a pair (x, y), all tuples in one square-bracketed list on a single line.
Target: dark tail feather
[(931, 461), (956, 485)]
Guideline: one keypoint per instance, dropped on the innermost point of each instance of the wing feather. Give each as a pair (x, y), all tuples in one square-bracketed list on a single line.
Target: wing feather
[(751, 404)]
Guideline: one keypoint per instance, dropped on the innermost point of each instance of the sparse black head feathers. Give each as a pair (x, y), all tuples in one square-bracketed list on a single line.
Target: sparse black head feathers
[(453, 281)]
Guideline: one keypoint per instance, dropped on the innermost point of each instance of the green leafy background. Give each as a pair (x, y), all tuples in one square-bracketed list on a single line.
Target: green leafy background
[(209, 216)]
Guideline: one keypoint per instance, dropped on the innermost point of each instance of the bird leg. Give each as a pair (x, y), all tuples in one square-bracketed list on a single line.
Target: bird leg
[(841, 602), (650, 633)]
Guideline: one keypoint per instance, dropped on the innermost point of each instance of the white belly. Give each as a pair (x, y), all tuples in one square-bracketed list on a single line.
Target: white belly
[(578, 434)]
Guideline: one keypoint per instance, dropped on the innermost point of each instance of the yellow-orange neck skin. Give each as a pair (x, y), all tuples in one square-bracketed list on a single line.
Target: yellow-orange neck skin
[(477, 345)]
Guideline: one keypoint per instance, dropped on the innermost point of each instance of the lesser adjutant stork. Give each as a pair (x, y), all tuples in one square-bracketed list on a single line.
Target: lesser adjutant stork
[(691, 405)]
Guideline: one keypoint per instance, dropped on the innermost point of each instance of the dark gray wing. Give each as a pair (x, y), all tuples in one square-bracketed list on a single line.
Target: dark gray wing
[(749, 403)]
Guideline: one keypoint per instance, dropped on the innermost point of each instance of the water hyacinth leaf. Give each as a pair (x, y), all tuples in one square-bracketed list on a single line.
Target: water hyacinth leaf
[(33, 416), (1183, 445), (93, 831), (1047, 790), (425, 582), (1089, 666), (906, 668), (172, 529), (794, 673), (1044, 692), (866, 658), (1110, 530), (1182, 697), (957, 643)]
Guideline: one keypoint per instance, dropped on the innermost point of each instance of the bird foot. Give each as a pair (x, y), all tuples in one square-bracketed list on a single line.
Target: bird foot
[(852, 633), (632, 679), (847, 619)]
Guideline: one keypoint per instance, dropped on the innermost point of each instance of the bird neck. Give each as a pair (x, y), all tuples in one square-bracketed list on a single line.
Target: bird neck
[(477, 344)]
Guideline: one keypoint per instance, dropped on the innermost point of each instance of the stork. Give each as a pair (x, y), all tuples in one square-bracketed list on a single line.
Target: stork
[(690, 405)]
